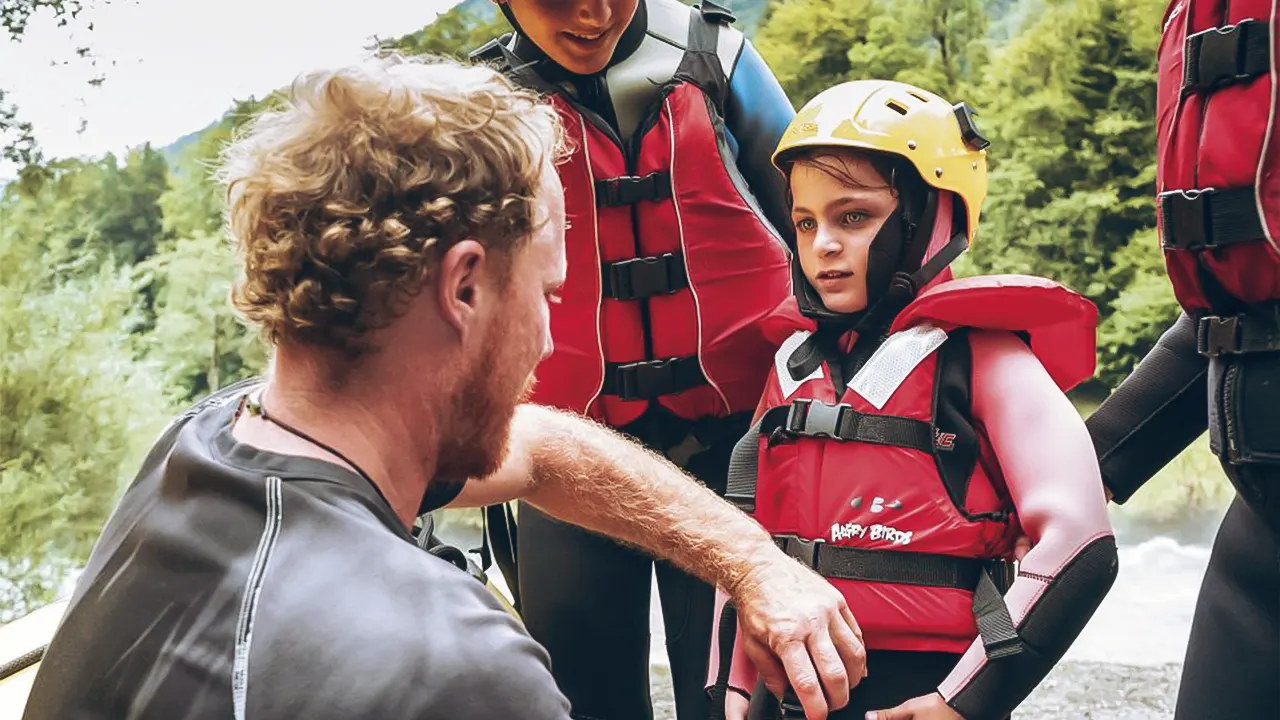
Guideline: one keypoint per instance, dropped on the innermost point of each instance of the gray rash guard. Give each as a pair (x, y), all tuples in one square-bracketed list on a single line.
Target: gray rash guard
[(231, 582)]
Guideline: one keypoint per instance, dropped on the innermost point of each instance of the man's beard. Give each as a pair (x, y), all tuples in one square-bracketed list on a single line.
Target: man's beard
[(475, 444)]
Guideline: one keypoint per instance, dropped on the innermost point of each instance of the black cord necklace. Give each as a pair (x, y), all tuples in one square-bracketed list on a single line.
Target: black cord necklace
[(257, 409)]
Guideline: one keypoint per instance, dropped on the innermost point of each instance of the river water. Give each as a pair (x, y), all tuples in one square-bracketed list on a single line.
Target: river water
[(1126, 663)]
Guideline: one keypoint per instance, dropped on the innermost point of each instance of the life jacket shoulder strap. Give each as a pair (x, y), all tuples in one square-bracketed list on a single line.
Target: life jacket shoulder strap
[(701, 64)]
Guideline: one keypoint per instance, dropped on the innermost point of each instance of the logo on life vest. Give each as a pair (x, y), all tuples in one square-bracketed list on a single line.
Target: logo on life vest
[(877, 504), (858, 531), (944, 440)]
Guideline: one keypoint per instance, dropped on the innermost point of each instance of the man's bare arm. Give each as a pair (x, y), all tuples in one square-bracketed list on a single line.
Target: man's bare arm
[(586, 474)]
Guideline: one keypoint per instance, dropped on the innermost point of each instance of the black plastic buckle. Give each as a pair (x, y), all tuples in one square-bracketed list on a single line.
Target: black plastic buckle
[(1218, 335), (1184, 218), (815, 419), (645, 277), (631, 189), (804, 551), (646, 380), (1217, 54)]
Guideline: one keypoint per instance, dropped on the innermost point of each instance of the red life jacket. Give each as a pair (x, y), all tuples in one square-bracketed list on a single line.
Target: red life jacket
[(671, 264), (1219, 140), (890, 489)]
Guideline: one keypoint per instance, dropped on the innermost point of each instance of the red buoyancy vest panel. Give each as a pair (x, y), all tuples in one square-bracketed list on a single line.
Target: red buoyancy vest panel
[(1061, 324), (1218, 142), (665, 289), (910, 477)]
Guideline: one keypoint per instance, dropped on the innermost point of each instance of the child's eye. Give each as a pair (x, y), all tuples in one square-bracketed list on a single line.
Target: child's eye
[(806, 225), (854, 217)]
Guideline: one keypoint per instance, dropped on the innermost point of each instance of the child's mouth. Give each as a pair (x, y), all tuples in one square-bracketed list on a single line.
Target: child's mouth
[(586, 41)]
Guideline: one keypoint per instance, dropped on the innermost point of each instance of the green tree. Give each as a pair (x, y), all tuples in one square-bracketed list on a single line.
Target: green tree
[(807, 43), (76, 410), (193, 203), (96, 211), (939, 45), (197, 341), (454, 33), (1071, 108)]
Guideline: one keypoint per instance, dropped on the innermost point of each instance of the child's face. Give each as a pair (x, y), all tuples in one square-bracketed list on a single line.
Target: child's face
[(580, 35), (835, 221)]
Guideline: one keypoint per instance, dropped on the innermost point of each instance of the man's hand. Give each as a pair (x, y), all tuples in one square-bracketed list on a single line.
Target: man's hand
[(799, 631), (796, 627), (925, 707)]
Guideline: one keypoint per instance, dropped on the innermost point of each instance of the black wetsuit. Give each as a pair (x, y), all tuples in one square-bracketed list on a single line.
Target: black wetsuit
[(583, 596), (898, 675), (1233, 657), (234, 583)]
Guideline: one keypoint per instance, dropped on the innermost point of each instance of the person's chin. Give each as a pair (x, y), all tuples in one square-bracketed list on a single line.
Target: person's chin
[(581, 64), (843, 304)]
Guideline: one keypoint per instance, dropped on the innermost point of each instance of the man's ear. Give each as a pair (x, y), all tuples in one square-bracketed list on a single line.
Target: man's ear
[(459, 284)]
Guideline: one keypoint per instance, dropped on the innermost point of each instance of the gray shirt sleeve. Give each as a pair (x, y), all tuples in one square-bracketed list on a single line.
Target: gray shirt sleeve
[(483, 664)]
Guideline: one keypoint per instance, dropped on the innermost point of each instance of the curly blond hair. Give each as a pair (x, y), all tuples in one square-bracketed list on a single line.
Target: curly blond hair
[(342, 202)]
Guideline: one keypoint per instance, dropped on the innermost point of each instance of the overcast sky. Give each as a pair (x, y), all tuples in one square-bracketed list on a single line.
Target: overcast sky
[(178, 64)]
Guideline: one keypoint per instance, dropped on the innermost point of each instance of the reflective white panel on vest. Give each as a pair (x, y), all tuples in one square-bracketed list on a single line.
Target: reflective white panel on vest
[(780, 359), (889, 367)]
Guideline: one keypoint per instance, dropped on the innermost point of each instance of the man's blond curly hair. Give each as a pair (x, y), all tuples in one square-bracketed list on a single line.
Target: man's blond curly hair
[(342, 202)]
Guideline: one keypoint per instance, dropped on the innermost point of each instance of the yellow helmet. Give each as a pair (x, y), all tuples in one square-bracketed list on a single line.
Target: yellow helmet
[(941, 140)]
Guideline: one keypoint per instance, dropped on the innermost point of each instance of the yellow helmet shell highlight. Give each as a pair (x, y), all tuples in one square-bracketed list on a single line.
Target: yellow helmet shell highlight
[(941, 140)]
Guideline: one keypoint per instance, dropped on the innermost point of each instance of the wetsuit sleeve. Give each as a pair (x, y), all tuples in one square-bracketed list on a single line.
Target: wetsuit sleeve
[(1154, 414), (757, 112), (742, 673), (1047, 460)]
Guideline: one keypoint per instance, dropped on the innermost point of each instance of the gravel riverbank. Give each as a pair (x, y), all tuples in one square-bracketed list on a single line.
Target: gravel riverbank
[(1073, 691)]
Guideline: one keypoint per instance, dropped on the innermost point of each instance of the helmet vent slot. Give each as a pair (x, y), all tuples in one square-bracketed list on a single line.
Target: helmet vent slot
[(917, 96), (896, 106)]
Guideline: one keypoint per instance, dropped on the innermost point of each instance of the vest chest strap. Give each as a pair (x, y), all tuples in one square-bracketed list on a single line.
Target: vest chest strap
[(1226, 54), (816, 419), (643, 277), (632, 189), (1207, 219)]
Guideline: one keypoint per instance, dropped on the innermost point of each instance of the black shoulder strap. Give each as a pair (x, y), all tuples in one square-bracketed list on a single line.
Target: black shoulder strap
[(955, 447), (701, 64), (715, 13)]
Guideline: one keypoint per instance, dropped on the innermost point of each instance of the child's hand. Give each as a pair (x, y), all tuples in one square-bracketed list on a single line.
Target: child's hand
[(735, 706), (926, 707)]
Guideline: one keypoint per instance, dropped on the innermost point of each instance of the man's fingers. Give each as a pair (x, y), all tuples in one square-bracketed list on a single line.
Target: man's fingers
[(902, 712), (852, 622), (804, 680), (835, 677), (852, 652), (770, 669)]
